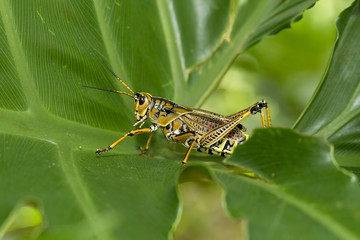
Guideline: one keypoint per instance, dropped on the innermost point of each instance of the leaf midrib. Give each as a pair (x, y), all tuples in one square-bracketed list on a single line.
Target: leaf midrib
[(173, 45), (20, 61), (237, 43), (14, 123)]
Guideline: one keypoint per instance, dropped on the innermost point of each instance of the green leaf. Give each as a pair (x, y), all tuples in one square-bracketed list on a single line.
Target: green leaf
[(50, 126), (219, 31), (304, 192), (301, 191), (334, 110)]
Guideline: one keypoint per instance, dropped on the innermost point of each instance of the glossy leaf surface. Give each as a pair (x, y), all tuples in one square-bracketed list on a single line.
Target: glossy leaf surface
[(334, 110), (50, 126), (305, 194)]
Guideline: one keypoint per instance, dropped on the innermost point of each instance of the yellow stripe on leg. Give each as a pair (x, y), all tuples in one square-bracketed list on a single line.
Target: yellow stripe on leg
[(131, 133), (189, 150)]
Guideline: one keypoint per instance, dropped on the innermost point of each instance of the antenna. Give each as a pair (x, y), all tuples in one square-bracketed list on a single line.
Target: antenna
[(117, 77), (110, 90)]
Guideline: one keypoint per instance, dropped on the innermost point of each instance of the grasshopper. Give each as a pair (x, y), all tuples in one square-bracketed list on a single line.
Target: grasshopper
[(193, 128)]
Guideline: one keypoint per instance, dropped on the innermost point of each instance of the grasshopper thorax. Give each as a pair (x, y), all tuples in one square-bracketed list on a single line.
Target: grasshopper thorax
[(142, 105)]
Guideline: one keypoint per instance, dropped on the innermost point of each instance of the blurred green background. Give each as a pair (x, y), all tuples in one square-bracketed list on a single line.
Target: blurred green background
[(285, 70)]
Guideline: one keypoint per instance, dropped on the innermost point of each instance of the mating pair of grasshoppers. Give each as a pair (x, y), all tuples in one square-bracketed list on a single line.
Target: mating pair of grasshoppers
[(193, 128)]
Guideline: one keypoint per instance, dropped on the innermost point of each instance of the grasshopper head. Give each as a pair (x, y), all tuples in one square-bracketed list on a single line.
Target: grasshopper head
[(142, 105)]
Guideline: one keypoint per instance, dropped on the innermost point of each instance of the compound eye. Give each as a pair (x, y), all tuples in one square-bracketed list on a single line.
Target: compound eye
[(141, 100)]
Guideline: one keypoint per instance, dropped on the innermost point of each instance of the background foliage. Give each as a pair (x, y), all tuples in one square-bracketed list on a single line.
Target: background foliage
[(180, 50)]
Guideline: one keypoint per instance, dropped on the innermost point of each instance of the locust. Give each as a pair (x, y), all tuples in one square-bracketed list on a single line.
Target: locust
[(193, 128)]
